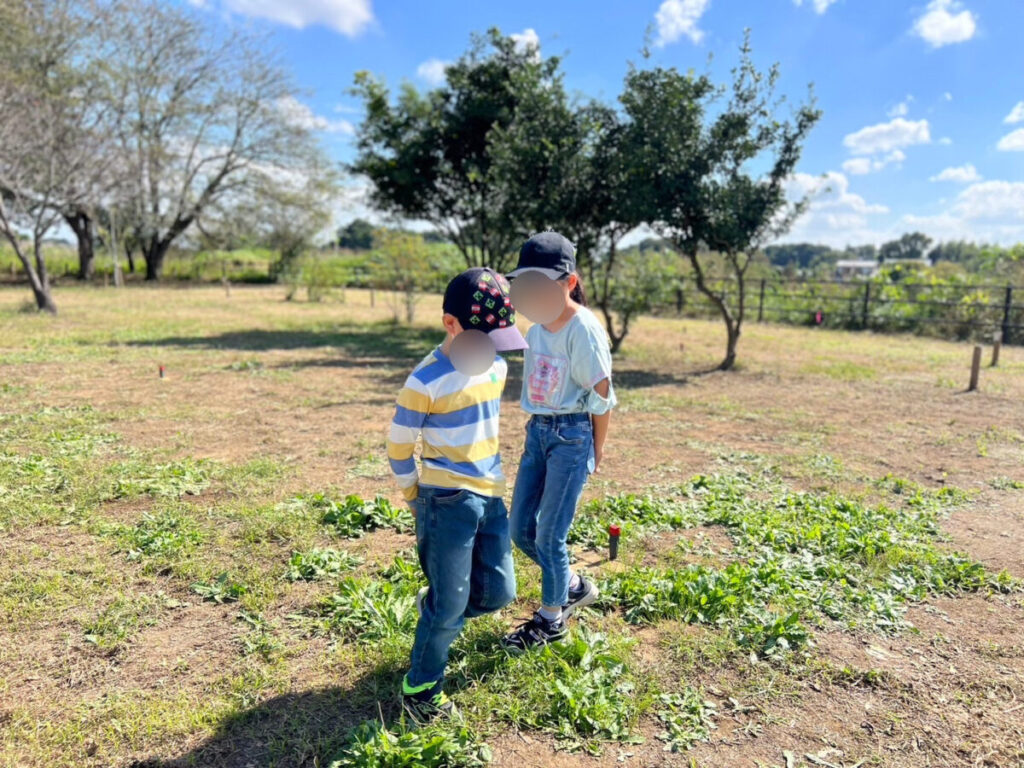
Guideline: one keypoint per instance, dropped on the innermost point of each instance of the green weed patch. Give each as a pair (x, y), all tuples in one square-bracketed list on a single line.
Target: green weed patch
[(318, 564), (365, 608), (353, 517), (371, 745), (801, 558)]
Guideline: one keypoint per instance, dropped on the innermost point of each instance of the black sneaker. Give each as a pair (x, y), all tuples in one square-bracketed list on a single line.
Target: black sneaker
[(426, 702), (536, 631), (585, 594)]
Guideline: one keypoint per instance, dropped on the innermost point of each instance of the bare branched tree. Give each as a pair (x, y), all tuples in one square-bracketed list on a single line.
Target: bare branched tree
[(55, 132), (198, 114)]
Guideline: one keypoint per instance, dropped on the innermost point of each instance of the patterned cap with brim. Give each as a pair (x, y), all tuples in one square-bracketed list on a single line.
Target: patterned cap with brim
[(479, 300)]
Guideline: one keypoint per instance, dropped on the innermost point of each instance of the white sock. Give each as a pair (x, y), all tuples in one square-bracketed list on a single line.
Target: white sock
[(575, 581), (554, 615)]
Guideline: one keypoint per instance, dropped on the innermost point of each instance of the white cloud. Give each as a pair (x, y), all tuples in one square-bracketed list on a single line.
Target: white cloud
[(820, 6), (527, 40), (349, 17), (886, 137), (901, 109), (947, 96), (962, 174), (941, 24), (676, 18), (945, 141), (834, 215), (301, 116), (992, 200), (1016, 114), (988, 211), (1012, 142), (858, 166), (431, 71)]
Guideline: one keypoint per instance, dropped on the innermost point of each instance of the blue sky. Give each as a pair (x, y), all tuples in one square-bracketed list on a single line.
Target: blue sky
[(923, 102)]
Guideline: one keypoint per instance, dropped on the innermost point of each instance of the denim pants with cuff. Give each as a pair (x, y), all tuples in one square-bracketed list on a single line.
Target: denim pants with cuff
[(464, 549), (557, 460)]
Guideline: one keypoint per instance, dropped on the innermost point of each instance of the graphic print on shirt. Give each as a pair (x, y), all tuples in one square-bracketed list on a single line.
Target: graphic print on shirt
[(547, 379)]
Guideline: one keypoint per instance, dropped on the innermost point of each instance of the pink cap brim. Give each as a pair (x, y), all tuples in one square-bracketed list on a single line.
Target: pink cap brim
[(507, 339)]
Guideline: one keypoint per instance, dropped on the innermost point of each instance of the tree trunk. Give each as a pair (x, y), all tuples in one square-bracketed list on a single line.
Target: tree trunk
[(39, 279), (130, 255), (732, 325), (155, 253), (83, 227), (410, 306)]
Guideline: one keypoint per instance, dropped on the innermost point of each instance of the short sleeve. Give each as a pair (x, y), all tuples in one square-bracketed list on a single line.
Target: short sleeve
[(591, 363)]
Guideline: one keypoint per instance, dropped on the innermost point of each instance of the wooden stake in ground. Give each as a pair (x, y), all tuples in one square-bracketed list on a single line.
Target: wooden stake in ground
[(975, 368), (997, 342)]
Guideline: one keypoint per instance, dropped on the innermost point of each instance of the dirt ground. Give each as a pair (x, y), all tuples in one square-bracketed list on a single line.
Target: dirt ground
[(252, 376)]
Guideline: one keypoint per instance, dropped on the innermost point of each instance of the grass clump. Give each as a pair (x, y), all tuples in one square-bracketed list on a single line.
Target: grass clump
[(220, 589), (114, 625), (372, 745), (188, 477), (164, 535), (582, 691), (353, 517), (686, 718), (317, 564), (366, 609), (637, 516)]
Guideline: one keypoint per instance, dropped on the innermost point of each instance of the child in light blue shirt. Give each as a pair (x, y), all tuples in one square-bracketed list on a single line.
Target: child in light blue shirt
[(567, 389)]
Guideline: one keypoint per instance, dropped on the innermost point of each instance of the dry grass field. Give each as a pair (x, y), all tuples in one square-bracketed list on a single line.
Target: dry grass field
[(820, 567)]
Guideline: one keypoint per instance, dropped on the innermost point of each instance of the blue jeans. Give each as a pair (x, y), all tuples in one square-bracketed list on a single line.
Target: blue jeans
[(465, 552), (558, 458)]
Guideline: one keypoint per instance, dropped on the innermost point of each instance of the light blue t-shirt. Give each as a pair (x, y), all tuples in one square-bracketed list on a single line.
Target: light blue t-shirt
[(561, 368)]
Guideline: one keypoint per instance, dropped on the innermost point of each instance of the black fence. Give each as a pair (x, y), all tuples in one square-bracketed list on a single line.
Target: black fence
[(940, 309)]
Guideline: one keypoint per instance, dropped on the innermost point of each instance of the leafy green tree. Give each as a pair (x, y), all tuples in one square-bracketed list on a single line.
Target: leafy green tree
[(913, 245), (470, 156), (401, 266), (600, 203), (718, 182), (357, 235)]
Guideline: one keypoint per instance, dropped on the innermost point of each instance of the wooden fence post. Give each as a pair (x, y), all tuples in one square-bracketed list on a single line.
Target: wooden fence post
[(864, 311), (760, 303), (997, 342), (975, 368)]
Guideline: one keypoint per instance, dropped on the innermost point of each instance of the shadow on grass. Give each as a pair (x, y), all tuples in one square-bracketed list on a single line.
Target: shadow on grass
[(310, 728), (376, 345), (297, 729), (384, 344)]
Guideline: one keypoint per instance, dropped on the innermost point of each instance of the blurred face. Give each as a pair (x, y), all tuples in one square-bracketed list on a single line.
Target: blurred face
[(471, 351), (541, 299)]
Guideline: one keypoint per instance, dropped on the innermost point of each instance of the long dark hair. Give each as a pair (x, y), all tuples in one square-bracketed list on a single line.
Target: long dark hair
[(578, 294)]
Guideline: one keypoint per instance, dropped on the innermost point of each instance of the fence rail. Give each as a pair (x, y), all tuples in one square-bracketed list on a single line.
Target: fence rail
[(948, 311)]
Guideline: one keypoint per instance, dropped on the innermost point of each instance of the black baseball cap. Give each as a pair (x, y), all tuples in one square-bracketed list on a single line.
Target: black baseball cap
[(548, 253), (479, 300)]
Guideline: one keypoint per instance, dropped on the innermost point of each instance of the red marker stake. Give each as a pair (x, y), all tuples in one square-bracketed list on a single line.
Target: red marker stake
[(161, 371), (614, 532)]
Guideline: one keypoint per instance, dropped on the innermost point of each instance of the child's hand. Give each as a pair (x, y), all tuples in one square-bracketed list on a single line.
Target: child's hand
[(412, 508), (598, 455)]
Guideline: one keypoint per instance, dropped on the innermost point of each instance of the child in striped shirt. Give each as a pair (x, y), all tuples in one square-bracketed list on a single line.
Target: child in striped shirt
[(452, 400)]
